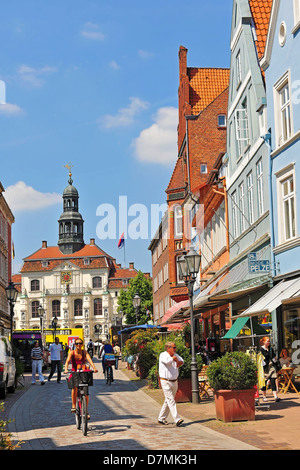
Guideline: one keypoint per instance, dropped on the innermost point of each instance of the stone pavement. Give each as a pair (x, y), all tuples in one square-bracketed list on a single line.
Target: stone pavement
[(124, 417)]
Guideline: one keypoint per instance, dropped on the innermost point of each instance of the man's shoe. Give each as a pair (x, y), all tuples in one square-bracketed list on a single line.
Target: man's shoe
[(277, 399), (163, 421), (179, 422)]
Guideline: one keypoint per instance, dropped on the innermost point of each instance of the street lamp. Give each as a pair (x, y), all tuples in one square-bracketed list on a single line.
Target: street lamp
[(136, 303), (41, 312), (189, 266), (11, 295)]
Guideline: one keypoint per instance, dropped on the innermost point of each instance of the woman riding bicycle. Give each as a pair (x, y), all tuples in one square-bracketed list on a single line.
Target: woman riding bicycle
[(78, 358)]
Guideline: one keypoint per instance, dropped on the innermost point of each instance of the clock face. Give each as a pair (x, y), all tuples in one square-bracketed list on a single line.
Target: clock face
[(66, 277)]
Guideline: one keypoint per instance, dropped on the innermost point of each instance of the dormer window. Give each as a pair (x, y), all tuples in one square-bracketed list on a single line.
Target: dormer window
[(86, 261), (125, 282), (45, 264)]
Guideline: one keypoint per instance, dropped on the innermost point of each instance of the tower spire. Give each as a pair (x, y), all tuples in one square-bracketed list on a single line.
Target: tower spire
[(70, 222)]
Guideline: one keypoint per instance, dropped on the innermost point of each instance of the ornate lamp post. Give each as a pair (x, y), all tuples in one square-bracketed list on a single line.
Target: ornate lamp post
[(136, 303), (11, 295), (189, 266)]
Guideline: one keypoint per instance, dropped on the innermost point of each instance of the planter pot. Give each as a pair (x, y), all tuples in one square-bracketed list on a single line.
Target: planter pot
[(184, 392), (235, 405)]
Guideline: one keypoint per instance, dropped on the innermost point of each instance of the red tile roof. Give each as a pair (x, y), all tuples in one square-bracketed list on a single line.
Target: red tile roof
[(261, 11), (206, 84)]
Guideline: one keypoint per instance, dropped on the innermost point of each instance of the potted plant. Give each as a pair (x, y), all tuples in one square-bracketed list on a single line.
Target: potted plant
[(232, 378)]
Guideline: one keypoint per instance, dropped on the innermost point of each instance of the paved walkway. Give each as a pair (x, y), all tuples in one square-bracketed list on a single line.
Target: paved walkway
[(122, 418)]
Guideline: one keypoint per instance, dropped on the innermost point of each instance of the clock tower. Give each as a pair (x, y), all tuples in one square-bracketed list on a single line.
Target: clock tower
[(70, 222)]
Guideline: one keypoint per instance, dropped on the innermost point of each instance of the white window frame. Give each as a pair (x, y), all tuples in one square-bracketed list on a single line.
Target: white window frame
[(222, 116), (283, 110), (260, 187), (242, 129), (296, 16), (178, 221), (234, 215), (242, 206), (238, 65), (203, 168), (250, 195), (286, 201)]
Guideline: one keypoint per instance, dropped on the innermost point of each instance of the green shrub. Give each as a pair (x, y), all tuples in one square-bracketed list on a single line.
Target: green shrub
[(233, 371)]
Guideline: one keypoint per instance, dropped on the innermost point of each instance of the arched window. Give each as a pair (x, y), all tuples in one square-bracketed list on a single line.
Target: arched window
[(78, 307), (56, 308), (34, 309), (35, 285), (98, 307), (97, 281)]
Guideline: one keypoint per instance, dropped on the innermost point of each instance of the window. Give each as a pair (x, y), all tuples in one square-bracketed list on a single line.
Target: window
[(222, 120), (250, 197), (260, 189), (35, 285), (97, 282), (178, 222), (234, 215), (78, 307), (203, 168), (242, 130), (286, 205), (179, 278), (56, 308), (242, 206), (283, 110), (34, 309), (97, 306)]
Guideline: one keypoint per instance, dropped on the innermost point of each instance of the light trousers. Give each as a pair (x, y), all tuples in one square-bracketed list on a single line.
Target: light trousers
[(37, 366), (169, 405)]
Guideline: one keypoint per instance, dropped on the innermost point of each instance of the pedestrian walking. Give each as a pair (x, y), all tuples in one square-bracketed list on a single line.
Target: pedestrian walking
[(169, 363), (270, 367), (37, 363), (56, 356)]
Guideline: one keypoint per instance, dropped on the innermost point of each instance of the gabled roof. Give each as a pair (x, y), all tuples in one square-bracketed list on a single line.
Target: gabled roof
[(206, 84), (177, 178), (53, 252), (261, 12)]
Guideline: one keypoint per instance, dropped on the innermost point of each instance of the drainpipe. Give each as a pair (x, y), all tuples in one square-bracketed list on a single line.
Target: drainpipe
[(267, 139), (192, 118)]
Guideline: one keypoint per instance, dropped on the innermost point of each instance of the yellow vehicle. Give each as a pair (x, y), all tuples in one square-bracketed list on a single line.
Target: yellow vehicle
[(66, 336)]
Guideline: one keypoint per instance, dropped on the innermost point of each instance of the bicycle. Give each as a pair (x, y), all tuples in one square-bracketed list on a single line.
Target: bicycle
[(82, 379), (109, 361)]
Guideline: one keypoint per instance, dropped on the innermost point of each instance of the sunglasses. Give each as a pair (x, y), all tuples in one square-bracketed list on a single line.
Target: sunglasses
[(79, 343)]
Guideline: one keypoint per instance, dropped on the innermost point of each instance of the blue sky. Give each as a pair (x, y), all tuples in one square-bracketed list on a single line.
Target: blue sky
[(95, 83)]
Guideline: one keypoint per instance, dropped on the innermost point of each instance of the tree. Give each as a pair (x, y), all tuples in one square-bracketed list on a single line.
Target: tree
[(143, 286)]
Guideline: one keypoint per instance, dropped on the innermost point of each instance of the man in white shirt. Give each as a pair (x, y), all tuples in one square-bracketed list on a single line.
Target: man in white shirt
[(169, 362), (56, 353)]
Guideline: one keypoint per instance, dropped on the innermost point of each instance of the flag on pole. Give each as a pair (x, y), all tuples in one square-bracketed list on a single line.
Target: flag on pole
[(13, 250), (121, 241)]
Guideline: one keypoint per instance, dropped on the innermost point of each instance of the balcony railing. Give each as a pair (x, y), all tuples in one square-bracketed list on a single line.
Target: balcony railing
[(66, 290)]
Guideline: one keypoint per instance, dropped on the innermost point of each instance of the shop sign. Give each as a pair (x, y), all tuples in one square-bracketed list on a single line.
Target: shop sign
[(258, 265)]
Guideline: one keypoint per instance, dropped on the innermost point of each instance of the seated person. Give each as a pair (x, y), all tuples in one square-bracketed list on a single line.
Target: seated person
[(284, 359)]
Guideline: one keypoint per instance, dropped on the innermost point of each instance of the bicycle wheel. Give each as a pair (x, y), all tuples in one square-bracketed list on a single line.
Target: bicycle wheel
[(84, 419), (78, 413), (109, 375)]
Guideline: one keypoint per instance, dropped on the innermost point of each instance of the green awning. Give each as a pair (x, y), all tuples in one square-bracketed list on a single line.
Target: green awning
[(240, 323)]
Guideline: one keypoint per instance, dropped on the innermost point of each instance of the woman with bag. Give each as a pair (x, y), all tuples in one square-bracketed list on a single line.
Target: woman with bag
[(270, 365), (78, 358)]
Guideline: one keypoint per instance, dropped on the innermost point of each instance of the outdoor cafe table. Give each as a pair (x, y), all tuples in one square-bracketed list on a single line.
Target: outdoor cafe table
[(287, 384)]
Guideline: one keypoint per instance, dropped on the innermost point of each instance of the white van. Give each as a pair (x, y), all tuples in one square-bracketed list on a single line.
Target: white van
[(7, 368)]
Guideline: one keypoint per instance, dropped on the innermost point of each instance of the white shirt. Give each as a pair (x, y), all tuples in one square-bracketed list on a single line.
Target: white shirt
[(167, 367), (55, 350)]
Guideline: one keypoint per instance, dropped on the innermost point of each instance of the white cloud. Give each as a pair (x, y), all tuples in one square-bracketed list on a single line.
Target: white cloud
[(125, 116), (21, 198), (158, 143), (92, 31), (35, 76), (145, 54), (9, 109), (113, 64)]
